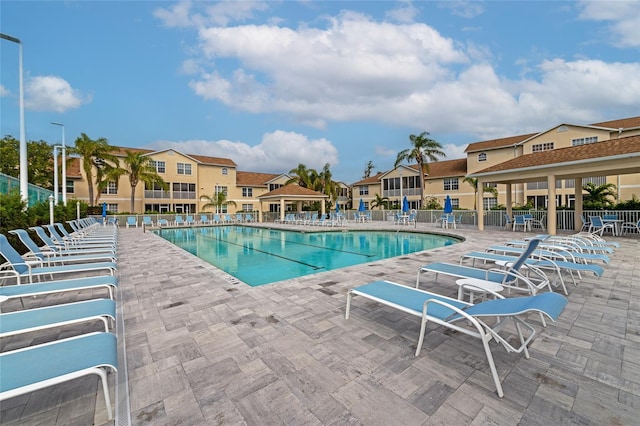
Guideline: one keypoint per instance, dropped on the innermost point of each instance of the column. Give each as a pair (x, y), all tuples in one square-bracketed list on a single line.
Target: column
[(551, 205)]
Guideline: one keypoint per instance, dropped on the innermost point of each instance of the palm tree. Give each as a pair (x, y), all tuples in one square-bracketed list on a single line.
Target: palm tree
[(424, 150), (598, 195), (140, 167), (96, 154), (217, 200), (302, 176), (367, 169), (474, 183), (382, 202)]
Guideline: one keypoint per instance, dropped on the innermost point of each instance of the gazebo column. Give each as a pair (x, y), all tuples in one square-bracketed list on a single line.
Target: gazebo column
[(322, 207), (509, 200), (551, 205), (281, 210), (578, 207), (479, 203)]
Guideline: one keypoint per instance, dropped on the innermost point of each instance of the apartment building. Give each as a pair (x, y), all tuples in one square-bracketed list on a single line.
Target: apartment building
[(189, 177), (446, 177)]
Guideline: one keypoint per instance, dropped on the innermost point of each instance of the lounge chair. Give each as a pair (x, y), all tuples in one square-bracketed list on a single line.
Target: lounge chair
[(204, 219), (132, 221), (75, 242), (63, 249), (239, 218), (510, 278), (190, 220), (29, 320), (228, 218), (146, 221), (216, 219), (179, 220), (163, 222), (91, 238), (545, 263), (454, 314), (573, 256), (16, 267), (51, 257), (249, 218), (60, 286), (36, 367)]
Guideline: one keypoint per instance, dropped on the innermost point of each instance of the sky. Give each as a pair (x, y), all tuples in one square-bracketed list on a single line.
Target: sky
[(274, 84)]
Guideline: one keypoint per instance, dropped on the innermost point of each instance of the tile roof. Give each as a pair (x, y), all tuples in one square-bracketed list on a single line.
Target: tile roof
[(601, 150), (121, 151), (294, 190), (370, 179), (624, 123), (497, 143), (254, 178), (446, 168)]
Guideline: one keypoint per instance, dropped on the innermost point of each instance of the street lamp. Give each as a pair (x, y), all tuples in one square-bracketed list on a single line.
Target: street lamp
[(55, 174), (64, 168), (24, 174)]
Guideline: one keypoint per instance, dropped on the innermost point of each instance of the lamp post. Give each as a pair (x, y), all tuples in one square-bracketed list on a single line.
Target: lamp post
[(64, 167), (51, 210), (55, 174), (24, 175)]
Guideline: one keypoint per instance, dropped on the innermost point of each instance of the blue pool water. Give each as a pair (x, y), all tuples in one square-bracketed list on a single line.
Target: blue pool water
[(260, 256)]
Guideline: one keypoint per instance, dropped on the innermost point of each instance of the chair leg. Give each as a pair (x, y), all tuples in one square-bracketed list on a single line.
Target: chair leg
[(492, 365)]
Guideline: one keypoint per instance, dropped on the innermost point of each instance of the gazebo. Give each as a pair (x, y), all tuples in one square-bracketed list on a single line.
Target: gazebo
[(616, 156), (292, 193)]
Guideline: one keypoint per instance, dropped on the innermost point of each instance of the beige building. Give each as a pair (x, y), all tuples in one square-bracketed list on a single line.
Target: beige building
[(447, 177), (189, 177)]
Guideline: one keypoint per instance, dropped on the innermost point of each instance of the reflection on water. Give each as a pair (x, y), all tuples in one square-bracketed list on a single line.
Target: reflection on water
[(261, 256)]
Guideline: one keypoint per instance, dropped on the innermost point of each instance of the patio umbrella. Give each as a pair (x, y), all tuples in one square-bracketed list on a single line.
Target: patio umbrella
[(405, 204), (448, 208), (361, 206), (337, 208), (104, 212)]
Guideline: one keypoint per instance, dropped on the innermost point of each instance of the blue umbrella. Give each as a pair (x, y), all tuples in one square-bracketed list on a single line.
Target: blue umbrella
[(104, 210), (405, 204), (448, 208), (361, 207), (337, 208)]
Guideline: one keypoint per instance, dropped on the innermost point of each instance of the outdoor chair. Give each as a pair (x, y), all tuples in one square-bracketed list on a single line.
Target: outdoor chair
[(630, 227), (465, 317), (131, 221)]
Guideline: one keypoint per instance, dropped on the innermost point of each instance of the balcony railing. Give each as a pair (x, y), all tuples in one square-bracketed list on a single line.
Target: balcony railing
[(395, 193), (184, 195), (156, 193)]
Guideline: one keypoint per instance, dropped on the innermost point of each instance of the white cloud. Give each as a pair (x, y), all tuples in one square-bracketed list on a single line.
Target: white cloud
[(464, 9), (4, 91), (353, 69), (51, 93), (623, 18), (405, 12), (182, 14), (277, 152)]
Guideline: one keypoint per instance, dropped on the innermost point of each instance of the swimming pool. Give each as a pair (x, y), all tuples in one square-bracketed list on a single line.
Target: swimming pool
[(260, 256)]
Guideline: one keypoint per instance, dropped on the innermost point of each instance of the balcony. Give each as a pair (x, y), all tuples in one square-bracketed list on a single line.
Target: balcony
[(156, 193), (184, 195)]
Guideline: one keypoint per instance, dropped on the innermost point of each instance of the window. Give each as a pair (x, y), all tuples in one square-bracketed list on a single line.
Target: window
[(112, 208), (273, 186), (489, 203), (70, 187), (539, 147), (184, 169), (543, 185), (110, 189), (451, 184), (584, 141), (482, 156), (225, 171), (247, 192), (364, 190), (247, 207), (455, 203), (160, 166)]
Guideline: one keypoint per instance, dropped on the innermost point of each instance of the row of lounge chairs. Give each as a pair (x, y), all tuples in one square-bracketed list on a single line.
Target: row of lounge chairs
[(329, 219), (522, 272), (89, 249), (190, 220)]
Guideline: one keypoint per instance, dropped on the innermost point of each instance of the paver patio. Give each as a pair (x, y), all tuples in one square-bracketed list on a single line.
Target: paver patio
[(203, 348)]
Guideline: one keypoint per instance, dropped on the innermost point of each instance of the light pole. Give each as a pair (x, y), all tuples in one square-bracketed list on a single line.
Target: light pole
[(24, 175), (64, 168), (55, 174), (51, 210)]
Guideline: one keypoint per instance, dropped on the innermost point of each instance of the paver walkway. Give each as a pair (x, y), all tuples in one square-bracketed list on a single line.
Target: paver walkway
[(203, 348)]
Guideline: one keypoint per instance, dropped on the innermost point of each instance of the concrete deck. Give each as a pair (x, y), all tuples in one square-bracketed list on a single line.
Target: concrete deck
[(203, 348)]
